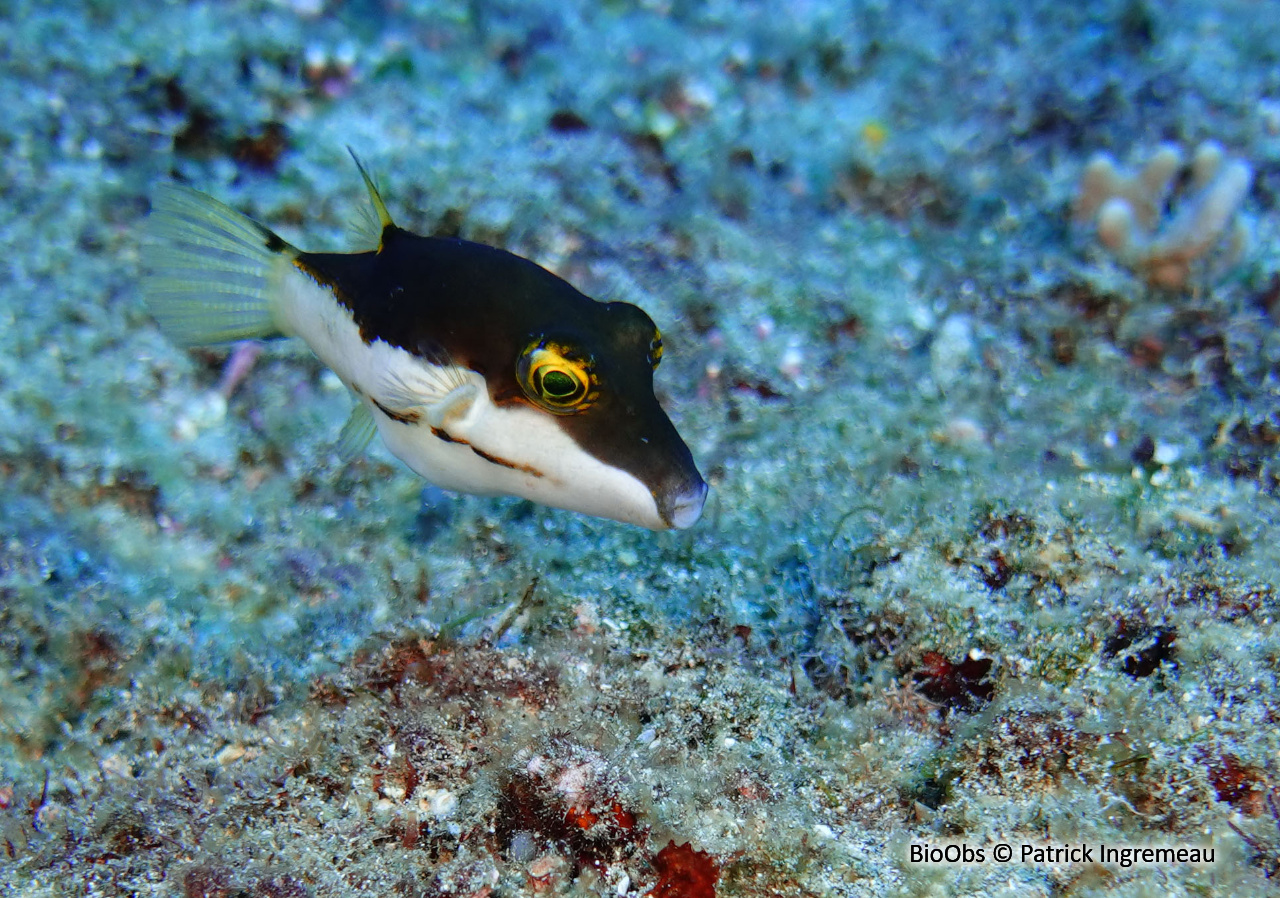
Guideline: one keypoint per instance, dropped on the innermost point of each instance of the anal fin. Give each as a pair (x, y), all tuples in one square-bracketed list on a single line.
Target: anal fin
[(356, 434)]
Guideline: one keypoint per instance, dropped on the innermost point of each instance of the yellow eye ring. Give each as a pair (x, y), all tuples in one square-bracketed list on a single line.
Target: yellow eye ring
[(557, 379)]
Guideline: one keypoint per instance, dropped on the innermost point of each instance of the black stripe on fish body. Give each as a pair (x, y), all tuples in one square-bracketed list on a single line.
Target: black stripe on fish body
[(515, 466), (402, 417), (481, 307), (440, 434)]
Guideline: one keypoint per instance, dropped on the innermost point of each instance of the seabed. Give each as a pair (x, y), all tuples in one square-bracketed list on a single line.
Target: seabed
[(993, 546)]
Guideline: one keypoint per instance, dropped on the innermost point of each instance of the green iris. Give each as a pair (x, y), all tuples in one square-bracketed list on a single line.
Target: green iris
[(558, 384)]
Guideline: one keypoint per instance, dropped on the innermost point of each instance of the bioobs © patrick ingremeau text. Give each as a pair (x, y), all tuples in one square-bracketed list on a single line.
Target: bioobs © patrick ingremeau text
[(1039, 853)]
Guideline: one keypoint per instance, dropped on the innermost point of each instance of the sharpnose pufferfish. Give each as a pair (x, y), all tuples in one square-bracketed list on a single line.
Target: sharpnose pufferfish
[(482, 371)]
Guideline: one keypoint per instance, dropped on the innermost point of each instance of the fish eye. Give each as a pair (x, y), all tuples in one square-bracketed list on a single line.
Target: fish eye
[(558, 385), (556, 379), (655, 349)]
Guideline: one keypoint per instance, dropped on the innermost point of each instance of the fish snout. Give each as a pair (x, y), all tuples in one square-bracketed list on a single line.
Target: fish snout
[(681, 508)]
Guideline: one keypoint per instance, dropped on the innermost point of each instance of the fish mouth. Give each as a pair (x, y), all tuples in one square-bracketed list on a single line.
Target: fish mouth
[(681, 510)]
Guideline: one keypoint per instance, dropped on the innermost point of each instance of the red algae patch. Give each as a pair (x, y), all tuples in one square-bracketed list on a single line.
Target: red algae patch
[(684, 872)]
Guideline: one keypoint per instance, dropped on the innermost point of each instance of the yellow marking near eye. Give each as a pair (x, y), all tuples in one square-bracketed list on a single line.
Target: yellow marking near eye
[(556, 378)]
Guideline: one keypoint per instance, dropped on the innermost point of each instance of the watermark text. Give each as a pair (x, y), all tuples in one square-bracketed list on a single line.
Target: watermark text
[(966, 854)]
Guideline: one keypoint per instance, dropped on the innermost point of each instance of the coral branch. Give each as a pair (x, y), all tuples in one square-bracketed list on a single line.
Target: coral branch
[(1126, 209)]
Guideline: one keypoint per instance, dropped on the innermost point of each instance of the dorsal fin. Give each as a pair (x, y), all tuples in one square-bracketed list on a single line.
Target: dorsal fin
[(379, 207)]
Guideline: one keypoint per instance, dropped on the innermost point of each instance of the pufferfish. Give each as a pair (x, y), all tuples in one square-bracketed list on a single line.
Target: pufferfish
[(482, 371)]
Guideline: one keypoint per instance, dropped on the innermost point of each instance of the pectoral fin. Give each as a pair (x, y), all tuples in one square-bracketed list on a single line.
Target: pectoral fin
[(441, 396), (412, 384), (449, 413)]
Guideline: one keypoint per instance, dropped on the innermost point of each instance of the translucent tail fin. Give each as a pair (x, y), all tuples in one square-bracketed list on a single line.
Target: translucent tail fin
[(213, 275)]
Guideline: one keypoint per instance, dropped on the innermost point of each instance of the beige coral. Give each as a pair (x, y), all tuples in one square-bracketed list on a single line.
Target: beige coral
[(1127, 209)]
